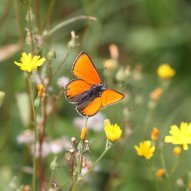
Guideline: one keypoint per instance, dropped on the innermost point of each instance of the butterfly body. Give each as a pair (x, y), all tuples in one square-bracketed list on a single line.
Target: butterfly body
[(95, 91), (87, 91)]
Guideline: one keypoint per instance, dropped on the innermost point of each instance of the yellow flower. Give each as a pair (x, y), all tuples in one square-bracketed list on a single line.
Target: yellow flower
[(145, 149), (160, 172), (154, 134), (177, 150), (164, 71), (29, 62), (180, 136), (113, 132)]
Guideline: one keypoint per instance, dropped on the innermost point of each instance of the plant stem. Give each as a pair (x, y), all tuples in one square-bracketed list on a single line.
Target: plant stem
[(53, 109), (107, 147), (49, 14), (41, 140), (19, 23), (35, 131), (62, 63), (175, 165), (69, 21), (86, 122), (77, 170), (153, 174), (30, 26), (112, 176), (163, 161), (37, 15)]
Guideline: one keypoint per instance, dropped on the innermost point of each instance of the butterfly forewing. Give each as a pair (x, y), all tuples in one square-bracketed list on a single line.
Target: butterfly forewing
[(110, 96), (75, 88), (84, 69)]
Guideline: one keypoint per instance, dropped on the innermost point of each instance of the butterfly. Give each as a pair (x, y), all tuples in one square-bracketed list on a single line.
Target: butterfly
[(87, 91)]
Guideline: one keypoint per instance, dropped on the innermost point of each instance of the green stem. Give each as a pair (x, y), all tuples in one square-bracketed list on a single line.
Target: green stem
[(77, 171), (37, 15), (107, 147), (62, 63), (49, 14), (153, 174), (79, 162), (163, 162), (69, 21), (81, 149), (35, 132), (30, 26), (86, 122), (19, 23), (34, 159), (175, 165)]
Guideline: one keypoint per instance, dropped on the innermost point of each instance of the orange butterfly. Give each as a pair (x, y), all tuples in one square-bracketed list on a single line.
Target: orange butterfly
[(87, 90)]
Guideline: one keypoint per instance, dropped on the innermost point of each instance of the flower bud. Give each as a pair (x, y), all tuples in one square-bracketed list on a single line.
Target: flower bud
[(177, 150), (83, 133), (154, 134), (51, 54), (160, 172), (40, 88)]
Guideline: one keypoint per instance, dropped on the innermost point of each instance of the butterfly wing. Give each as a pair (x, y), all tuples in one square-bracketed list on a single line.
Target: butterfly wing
[(89, 108), (109, 97), (75, 88), (78, 89), (84, 69)]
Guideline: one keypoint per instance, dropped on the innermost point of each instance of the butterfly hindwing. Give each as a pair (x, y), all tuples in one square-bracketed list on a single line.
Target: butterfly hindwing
[(89, 108), (75, 88), (109, 97), (84, 69)]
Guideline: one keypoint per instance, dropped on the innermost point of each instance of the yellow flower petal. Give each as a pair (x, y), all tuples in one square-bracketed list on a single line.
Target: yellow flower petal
[(113, 132), (29, 62), (180, 135), (145, 149)]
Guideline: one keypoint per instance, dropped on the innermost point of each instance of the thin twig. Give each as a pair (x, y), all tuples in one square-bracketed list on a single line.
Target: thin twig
[(41, 140), (35, 131), (30, 26), (48, 15), (19, 22), (37, 15), (60, 96), (107, 147), (62, 64), (69, 21)]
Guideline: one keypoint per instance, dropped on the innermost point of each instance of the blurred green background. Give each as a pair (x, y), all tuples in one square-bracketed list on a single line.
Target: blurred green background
[(147, 32)]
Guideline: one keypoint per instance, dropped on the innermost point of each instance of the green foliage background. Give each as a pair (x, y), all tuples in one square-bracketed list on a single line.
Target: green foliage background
[(149, 32)]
